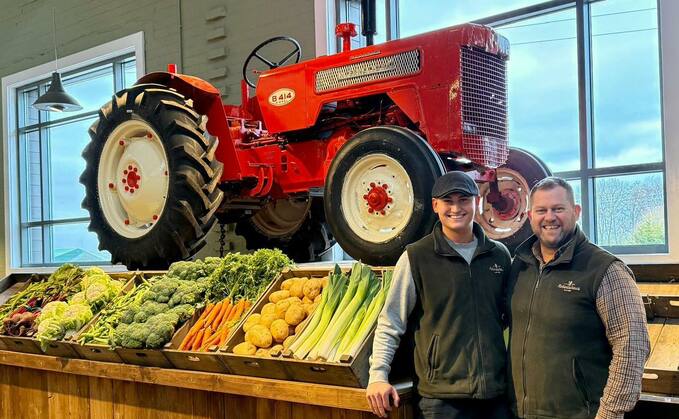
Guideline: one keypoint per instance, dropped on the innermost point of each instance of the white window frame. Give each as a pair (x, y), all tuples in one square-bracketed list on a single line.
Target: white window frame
[(131, 44)]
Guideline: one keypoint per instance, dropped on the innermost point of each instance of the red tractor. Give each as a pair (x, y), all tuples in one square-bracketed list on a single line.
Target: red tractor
[(343, 147)]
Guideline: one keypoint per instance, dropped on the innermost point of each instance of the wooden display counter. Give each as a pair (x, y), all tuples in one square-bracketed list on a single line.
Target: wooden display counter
[(40, 386)]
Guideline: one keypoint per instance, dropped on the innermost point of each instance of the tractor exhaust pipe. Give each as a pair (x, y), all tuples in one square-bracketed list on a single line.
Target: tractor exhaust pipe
[(368, 20)]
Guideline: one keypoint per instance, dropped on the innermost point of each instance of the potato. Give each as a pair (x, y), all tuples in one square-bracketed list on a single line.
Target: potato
[(279, 295), (312, 288), (268, 308), (262, 352), (282, 307), (251, 321), (279, 330), (293, 300), (308, 308), (306, 300), (297, 288), (275, 350), (295, 315), (259, 336), (317, 299), (285, 285), (324, 282), (287, 342), (245, 348), (266, 320)]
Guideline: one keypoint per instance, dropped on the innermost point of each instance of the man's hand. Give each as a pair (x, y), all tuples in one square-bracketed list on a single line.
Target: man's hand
[(378, 395)]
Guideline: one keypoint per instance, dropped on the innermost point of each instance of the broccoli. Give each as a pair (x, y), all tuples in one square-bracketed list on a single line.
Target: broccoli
[(184, 311), (189, 292), (160, 328), (149, 309), (126, 337)]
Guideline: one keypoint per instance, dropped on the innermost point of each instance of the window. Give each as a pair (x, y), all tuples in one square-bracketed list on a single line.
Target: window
[(47, 225), (584, 96)]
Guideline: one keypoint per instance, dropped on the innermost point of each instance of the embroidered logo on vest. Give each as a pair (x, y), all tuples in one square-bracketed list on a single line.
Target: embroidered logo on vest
[(568, 287), (496, 269)]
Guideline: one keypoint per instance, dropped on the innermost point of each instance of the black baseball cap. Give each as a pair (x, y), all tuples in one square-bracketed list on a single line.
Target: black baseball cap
[(452, 182)]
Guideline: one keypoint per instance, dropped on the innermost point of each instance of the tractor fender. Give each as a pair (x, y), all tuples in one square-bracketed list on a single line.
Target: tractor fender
[(206, 101), (201, 91)]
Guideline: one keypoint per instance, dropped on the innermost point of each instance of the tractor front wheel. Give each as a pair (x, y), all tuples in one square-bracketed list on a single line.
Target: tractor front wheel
[(378, 193), (151, 178)]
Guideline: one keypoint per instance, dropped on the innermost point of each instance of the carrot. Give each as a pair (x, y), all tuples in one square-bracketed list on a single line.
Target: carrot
[(225, 308), (235, 314), (192, 334), (206, 338), (213, 313), (187, 342), (199, 340)]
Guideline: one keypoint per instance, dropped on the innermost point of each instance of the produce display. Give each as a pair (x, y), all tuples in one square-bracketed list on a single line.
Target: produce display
[(271, 331), (60, 305), (346, 316), (148, 316)]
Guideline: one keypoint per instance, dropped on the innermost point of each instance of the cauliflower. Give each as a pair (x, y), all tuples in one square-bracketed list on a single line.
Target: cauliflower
[(78, 298), (49, 330), (75, 316), (52, 310)]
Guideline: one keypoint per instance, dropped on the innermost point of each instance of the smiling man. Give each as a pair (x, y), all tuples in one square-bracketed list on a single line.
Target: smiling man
[(447, 292), (578, 337)]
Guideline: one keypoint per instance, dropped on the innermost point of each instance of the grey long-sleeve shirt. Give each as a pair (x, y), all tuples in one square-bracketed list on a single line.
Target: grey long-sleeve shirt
[(393, 319)]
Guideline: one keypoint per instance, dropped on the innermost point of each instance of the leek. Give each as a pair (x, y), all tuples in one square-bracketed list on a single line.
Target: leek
[(343, 319), (371, 316), (351, 332)]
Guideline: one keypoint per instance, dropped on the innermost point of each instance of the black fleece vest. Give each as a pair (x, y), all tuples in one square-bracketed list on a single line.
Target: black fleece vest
[(457, 320), (558, 347)]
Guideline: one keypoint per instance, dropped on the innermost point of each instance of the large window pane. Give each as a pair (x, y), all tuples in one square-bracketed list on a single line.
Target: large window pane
[(32, 246), (626, 83), (543, 88), (630, 210), (129, 73), (66, 143), (416, 16), (31, 176), (73, 243)]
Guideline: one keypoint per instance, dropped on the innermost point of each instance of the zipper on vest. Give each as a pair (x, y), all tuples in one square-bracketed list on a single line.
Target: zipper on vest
[(525, 338), (478, 335)]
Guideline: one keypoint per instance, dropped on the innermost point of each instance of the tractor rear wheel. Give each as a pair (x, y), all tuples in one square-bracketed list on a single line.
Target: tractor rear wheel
[(515, 179), (151, 178), (378, 193), (296, 226)]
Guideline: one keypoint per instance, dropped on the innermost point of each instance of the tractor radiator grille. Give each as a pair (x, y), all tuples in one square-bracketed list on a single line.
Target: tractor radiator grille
[(484, 107), (403, 64)]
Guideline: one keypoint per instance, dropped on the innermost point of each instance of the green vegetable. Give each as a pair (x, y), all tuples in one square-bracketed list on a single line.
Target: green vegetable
[(50, 330), (52, 310)]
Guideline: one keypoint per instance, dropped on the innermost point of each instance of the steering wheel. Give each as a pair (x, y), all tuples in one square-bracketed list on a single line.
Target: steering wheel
[(296, 52)]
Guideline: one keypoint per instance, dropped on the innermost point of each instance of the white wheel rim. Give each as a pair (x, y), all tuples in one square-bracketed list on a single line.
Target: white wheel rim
[(510, 182), (134, 212), (368, 173)]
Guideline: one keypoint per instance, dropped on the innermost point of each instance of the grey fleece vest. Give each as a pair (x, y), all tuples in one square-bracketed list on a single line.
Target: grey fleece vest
[(457, 319), (559, 354)]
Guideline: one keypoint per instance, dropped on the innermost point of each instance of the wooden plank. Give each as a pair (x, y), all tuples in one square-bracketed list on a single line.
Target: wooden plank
[(656, 273), (68, 396), (665, 354), (101, 398), (654, 328), (313, 394), (658, 289), (28, 396)]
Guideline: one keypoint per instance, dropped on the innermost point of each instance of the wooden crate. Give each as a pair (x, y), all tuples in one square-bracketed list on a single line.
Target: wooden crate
[(190, 360), (661, 372), (96, 352), (352, 373), (67, 348), (9, 286)]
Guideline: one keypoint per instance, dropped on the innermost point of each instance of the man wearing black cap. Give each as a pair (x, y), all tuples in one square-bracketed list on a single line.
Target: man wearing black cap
[(447, 291)]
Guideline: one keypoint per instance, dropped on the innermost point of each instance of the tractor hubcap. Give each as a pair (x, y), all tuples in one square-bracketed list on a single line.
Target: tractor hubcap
[(377, 198), (500, 224), (133, 179)]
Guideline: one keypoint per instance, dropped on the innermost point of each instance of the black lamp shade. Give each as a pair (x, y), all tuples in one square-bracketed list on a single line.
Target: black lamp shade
[(56, 99)]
